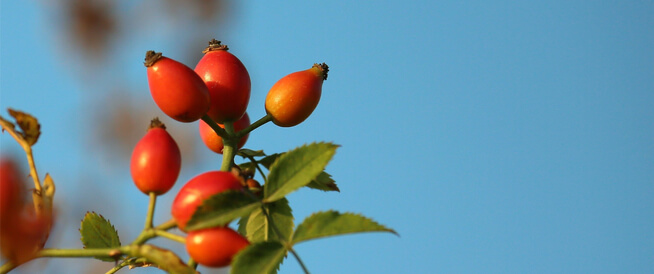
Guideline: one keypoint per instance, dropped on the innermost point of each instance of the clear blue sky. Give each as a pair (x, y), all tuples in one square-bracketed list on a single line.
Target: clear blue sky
[(494, 136)]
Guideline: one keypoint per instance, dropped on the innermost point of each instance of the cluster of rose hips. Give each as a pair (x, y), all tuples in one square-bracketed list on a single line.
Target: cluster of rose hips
[(218, 92)]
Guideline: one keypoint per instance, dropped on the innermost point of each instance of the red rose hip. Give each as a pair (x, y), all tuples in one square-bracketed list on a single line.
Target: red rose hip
[(156, 160), (228, 82), (198, 189), (176, 89), (293, 98)]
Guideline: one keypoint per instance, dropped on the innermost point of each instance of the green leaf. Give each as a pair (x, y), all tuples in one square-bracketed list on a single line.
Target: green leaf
[(297, 168), (30, 127), (243, 224), (246, 153), (263, 257), (164, 259), (97, 232), (332, 223), (259, 229), (222, 208), (324, 182), (269, 160)]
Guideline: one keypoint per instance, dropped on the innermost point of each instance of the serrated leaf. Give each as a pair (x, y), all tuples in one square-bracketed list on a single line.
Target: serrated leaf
[(30, 127), (263, 257), (164, 259), (97, 232), (332, 223), (324, 182), (297, 168), (222, 208), (259, 229), (245, 153)]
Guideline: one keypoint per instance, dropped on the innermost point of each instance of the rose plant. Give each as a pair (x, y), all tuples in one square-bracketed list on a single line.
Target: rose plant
[(216, 92)]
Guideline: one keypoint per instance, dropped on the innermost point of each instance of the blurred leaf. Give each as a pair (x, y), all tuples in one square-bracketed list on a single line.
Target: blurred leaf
[(91, 24), (30, 127), (332, 223), (244, 152), (221, 209), (164, 259), (97, 232), (242, 225), (263, 257), (8, 123), (259, 229), (324, 182), (296, 169)]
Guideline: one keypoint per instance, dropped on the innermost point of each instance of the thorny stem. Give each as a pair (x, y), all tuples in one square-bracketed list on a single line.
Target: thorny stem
[(127, 262), (121, 265)]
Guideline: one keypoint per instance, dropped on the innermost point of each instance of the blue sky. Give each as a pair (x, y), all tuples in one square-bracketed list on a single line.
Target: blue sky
[(494, 136)]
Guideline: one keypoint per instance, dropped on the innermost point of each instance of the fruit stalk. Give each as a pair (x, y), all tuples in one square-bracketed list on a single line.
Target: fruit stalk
[(229, 149), (150, 215), (220, 131), (170, 236), (253, 126)]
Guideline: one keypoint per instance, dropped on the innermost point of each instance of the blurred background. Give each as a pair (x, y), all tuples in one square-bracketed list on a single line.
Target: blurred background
[(494, 136)]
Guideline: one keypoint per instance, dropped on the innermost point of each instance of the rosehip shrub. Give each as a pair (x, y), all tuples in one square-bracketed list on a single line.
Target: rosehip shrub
[(251, 195)]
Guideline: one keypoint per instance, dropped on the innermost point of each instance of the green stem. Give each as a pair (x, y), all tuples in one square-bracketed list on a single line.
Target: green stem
[(88, 252), (150, 215), (256, 165), (192, 263), (170, 236), (9, 127), (119, 266), (5, 268), (220, 131), (297, 257), (170, 224), (229, 147), (286, 244), (145, 235), (253, 126)]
